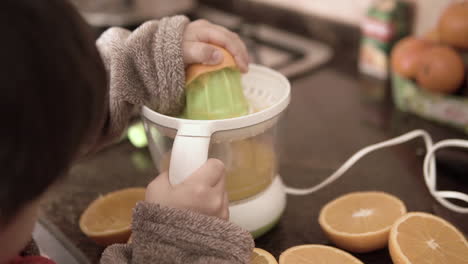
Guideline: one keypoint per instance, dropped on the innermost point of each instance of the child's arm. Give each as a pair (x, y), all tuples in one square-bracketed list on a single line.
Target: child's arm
[(147, 66), (144, 67), (185, 223), (169, 235)]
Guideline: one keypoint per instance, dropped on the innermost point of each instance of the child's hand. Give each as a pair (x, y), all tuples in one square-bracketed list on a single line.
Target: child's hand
[(202, 192), (196, 48)]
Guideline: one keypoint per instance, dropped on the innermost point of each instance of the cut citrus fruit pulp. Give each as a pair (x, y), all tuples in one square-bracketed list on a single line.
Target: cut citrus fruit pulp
[(316, 254), (107, 220), (260, 256), (361, 221), (425, 238)]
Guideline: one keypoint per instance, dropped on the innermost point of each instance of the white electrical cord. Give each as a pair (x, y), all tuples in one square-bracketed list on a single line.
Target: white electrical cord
[(429, 168)]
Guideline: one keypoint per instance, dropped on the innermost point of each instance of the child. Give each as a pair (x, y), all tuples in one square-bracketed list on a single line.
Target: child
[(58, 102)]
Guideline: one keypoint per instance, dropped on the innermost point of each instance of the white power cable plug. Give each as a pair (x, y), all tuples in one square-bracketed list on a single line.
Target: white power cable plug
[(429, 168)]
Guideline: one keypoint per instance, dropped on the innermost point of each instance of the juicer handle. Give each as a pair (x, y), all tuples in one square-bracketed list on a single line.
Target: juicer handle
[(189, 152)]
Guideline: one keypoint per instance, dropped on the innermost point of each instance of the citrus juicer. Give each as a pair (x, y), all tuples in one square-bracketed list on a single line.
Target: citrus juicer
[(247, 144)]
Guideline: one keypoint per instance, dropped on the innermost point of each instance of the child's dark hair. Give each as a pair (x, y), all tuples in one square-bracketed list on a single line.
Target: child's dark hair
[(53, 93)]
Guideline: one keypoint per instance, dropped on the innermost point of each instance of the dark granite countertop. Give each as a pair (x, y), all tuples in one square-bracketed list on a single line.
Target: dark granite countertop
[(331, 116), (333, 113)]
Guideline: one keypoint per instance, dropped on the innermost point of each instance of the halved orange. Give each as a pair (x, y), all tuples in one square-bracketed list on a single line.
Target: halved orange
[(361, 221), (260, 256), (306, 254), (195, 70), (425, 238), (107, 220)]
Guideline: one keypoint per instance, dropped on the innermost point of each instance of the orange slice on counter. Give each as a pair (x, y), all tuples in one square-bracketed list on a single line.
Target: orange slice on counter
[(260, 256), (107, 220), (425, 238), (361, 221), (318, 254)]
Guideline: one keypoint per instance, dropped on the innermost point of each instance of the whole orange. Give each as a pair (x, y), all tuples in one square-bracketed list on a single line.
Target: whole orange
[(441, 70), (453, 25), (406, 54)]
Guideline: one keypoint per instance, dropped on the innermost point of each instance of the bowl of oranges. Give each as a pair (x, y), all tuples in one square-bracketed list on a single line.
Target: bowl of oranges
[(429, 72)]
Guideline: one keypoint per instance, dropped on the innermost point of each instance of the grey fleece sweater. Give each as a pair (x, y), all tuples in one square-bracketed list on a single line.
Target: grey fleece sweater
[(169, 235), (146, 67)]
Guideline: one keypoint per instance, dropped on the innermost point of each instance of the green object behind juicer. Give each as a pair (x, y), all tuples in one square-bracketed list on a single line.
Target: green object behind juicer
[(216, 95)]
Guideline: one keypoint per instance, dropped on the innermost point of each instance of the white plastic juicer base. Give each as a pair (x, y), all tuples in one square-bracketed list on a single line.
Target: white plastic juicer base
[(260, 213)]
